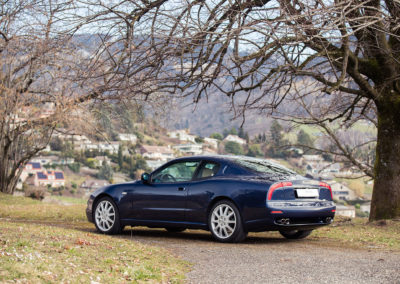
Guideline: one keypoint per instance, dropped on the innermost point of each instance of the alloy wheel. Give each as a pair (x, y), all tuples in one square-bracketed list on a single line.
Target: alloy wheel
[(223, 221), (105, 215)]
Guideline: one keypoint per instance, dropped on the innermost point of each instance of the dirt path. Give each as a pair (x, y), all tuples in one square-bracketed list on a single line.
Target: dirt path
[(266, 258)]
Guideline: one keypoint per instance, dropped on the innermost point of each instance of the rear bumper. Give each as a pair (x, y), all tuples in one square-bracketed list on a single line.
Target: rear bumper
[(280, 218)]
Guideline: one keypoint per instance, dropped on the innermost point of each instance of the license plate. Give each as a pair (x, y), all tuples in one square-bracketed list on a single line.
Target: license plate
[(307, 192)]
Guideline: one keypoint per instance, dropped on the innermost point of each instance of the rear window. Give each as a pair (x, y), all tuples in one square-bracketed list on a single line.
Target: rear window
[(262, 166)]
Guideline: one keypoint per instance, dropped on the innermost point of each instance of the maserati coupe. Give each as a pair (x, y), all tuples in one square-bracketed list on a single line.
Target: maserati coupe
[(227, 195)]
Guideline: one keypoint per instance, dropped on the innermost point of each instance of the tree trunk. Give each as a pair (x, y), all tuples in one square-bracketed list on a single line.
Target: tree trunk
[(386, 194)]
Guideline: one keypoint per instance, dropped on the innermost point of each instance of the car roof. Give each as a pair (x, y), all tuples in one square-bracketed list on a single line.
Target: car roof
[(207, 157)]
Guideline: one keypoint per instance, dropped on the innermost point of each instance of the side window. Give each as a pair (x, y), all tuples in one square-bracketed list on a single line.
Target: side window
[(177, 172), (208, 169)]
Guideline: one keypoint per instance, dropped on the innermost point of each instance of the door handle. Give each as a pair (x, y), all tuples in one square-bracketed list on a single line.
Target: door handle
[(181, 188)]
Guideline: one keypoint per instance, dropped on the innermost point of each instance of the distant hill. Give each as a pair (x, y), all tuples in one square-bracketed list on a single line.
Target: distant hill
[(210, 116)]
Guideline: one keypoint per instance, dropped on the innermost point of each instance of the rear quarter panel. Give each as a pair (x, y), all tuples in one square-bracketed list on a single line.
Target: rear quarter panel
[(249, 197)]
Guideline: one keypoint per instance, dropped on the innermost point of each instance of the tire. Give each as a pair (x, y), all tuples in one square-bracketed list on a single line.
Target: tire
[(106, 216), (295, 234), (175, 230), (225, 222)]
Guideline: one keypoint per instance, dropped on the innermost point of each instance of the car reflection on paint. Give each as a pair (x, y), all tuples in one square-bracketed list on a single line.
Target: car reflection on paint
[(227, 195)]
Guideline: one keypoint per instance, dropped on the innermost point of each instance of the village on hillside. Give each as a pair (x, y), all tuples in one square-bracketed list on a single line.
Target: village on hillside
[(75, 165)]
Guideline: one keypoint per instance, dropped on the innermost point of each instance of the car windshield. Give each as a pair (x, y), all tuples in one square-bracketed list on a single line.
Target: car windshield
[(262, 166)]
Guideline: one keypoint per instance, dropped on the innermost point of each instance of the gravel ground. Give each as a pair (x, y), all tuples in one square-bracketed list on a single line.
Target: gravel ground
[(266, 258)]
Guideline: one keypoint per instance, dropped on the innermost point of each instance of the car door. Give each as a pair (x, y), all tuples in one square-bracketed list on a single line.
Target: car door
[(163, 198), (201, 191)]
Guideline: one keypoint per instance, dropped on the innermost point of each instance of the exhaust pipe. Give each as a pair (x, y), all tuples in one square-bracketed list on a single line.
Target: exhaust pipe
[(328, 220), (284, 221)]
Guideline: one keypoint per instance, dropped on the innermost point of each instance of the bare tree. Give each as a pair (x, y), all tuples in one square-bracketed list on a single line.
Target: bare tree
[(257, 51), (55, 64)]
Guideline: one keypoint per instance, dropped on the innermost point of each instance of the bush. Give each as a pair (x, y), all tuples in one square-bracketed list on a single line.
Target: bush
[(105, 172), (255, 151), (36, 192), (234, 148), (216, 136), (75, 167)]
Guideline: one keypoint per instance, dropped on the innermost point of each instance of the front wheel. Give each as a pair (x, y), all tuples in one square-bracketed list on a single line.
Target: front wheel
[(225, 222), (106, 216), (295, 234)]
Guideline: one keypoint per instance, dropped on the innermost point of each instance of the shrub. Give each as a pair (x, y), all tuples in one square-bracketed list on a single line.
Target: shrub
[(36, 192), (234, 148)]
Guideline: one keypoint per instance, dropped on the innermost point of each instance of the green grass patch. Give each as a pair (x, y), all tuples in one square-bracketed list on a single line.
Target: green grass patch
[(23, 208), (359, 233), (34, 253), (70, 200), (52, 243)]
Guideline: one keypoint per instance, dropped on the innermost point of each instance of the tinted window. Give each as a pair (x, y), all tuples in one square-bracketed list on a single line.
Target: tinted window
[(208, 169), (262, 166), (177, 172)]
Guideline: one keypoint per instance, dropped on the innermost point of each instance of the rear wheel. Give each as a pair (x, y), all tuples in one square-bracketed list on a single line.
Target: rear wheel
[(106, 216), (295, 234), (225, 222), (175, 230)]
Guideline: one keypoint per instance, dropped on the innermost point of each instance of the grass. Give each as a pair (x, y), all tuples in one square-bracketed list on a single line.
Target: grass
[(69, 200), (359, 233), (42, 242)]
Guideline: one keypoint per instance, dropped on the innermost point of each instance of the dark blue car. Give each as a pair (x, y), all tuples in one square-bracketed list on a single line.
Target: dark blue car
[(227, 195)]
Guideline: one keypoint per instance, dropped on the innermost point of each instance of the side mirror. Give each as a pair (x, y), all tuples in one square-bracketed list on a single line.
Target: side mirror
[(145, 177)]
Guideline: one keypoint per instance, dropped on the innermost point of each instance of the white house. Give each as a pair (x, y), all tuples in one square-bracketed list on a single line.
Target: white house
[(341, 192), (127, 137), (162, 153), (235, 138), (212, 142), (30, 168), (111, 147), (182, 135), (93, 184), (189, 149), (101, 160), (154, 164), (52, 178), (346, 211)]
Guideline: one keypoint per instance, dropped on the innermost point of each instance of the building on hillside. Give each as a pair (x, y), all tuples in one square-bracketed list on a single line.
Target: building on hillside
[(366, 207), (182, 135), (162, 153), (48, 160), (30, 169), (93, 184), (154, 164), (47, 109), (346, 211), (341, 192), (189, 149), (126, 137), (52, 178), (209, 152), (111, 147), (212, 142), (100, 160), (312, 158), (235, 138), (33, 167)]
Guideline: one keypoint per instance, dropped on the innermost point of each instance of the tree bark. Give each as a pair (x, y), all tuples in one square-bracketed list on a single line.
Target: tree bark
[(386, 194)]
